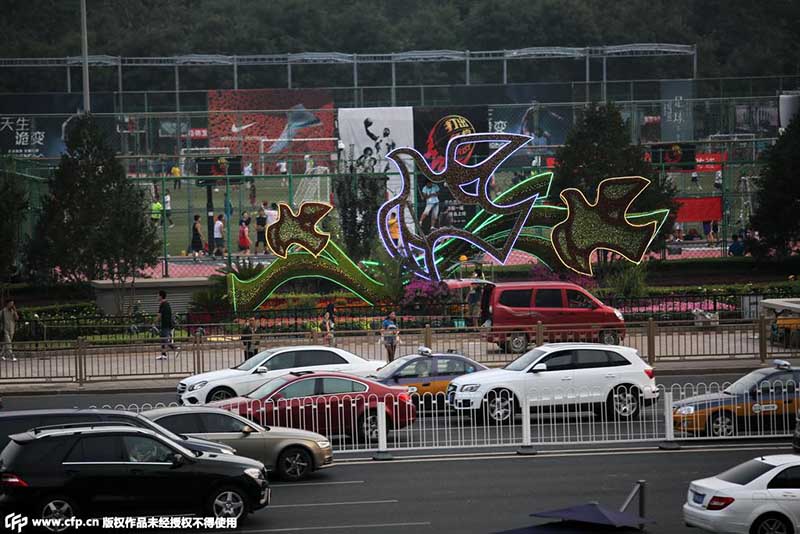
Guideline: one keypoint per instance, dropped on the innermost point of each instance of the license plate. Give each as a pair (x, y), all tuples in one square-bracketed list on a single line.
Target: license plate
[(698, 498)]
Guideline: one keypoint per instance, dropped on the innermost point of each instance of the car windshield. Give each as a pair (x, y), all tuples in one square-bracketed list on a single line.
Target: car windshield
[(265, 390), (745, 473), (524, 361), (253, 362), (748, 382), (390, 369)]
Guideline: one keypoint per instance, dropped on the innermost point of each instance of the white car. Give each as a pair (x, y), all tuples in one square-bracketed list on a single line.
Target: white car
[(269, 364), (612, 378), (760, 496)]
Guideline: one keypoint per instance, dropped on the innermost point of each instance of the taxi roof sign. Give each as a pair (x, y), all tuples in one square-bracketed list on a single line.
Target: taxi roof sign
[(425, 351), (782, 364)]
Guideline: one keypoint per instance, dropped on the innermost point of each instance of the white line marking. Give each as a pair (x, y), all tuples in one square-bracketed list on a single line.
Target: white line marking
[(306, 484), (546, 455), (389, 501), (339, 527)]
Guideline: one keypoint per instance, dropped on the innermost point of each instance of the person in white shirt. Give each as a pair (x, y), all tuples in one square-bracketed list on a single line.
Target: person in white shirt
[(272, 213), (219, 236), (168, 208)]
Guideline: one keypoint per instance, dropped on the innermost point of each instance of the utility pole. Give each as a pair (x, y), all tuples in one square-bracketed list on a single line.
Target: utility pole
[(87, 107)]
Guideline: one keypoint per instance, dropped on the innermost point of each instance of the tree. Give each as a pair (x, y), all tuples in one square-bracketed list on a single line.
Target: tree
[(13, 205), (778, 197), (599, 147), (95, 222), (358, 198)]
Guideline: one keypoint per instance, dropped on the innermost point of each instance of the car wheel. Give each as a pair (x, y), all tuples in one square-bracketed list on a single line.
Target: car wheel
[(624, 402), (368, 426), (517, 343), (609, 337), (772, 524), (228, 502), (218, 394), (721, 425), (500, 406), (294, 463), (57, 508)]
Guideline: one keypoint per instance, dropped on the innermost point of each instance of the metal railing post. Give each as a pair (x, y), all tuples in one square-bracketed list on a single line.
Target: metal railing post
[(80, 362), (427, 335), (196, 340), (669, 430), (762, 338), (383, 452), (642, 501), (527, 441), (539, 334), (651, 341)]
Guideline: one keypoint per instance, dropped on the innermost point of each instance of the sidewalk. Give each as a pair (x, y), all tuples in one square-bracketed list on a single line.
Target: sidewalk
[(159, 385)]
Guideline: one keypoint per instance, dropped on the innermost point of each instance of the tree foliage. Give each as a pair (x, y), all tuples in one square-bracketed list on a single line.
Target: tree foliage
[(13, 206), (598, 147), (358, 197), (778, 198), (94, 223)]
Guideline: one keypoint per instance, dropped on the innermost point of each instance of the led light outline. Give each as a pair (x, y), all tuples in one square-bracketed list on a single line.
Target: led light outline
[(655, 224)]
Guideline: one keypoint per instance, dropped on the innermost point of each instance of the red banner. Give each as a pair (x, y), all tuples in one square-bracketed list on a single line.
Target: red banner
[(710, 161), (699, 209)]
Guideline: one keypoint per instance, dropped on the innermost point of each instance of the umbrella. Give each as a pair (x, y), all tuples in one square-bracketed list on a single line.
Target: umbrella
[(596, 514)]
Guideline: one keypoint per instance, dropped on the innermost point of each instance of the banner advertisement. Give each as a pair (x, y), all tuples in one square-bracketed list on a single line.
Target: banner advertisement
[(368, 134), (433, 128), (547, 125), (299, 133)]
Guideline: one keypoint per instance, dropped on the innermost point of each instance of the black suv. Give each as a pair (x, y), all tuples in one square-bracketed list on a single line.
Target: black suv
[(123, 470), (19, 421)]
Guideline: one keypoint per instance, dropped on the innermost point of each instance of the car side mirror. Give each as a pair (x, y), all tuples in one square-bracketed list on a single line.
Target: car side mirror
[(247, 430), (178, 459), (539, 367), (261, 370)]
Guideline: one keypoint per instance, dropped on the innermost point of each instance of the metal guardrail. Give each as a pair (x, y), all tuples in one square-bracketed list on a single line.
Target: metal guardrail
[(567, 416), (96, 360)]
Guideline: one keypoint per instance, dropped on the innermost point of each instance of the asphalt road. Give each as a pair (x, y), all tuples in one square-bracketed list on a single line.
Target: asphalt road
[(484, 494)]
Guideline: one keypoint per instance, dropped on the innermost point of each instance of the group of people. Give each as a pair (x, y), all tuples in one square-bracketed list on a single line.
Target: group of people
[(267, 214), (710, 232)]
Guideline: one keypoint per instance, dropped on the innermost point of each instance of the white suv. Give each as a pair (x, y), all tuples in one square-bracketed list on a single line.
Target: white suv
[(269, 364), (613, 379)]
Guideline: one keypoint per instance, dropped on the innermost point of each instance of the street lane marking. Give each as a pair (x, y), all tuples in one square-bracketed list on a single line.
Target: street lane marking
[(347, 503), (303, 485), (547, 455), (720, 446), (338, 527)]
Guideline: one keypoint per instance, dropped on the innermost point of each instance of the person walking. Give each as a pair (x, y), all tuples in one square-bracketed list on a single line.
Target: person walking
[(168, 208), (197, 237), (390, 334), (219, 236), (261, 231), (166, 326), (250, 338), (155, 211), (8, 320), (328, 324)]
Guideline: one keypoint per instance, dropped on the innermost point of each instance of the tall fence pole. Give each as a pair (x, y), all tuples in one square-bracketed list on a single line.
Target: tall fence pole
[(427, 335), (527, 440), (651, 341), (669, 430), (383, 447), (762, 338)]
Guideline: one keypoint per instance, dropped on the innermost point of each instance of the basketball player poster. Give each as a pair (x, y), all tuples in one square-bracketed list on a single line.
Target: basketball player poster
[(433, 128), (368, 134), (274, 129)]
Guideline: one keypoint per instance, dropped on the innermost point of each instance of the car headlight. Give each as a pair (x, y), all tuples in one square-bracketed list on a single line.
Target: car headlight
[(468, 388), (253, 472), (199, 385), (685, 410), (324, 444), (619, 314)]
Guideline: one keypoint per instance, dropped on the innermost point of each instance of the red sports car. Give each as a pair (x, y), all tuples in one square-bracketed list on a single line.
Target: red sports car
[(327, 403)]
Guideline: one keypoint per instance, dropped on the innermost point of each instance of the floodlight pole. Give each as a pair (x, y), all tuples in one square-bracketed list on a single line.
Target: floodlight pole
[(85, 52)]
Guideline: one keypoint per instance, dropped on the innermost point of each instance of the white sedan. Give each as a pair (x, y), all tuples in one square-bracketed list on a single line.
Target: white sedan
[(761, 496), (269, 364)]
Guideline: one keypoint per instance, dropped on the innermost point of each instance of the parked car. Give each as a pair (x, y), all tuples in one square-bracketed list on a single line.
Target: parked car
[(266, 365), (764, 399), (427, 374), (19, 421), (514, 308), (328, 403), (293, 453), (757, 497), (611, 378), (124, 470)]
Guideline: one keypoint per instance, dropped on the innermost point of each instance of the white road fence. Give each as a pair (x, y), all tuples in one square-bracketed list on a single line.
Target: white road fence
[(570, 416)]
